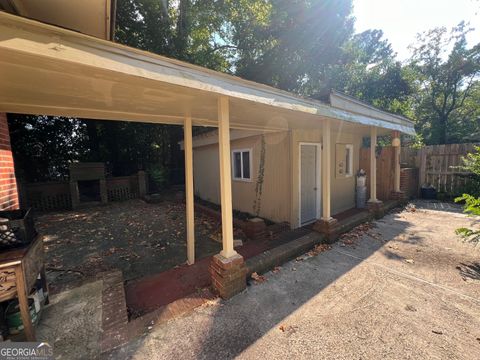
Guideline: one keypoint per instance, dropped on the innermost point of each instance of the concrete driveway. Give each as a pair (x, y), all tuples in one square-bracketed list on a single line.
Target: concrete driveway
[(407, 289)]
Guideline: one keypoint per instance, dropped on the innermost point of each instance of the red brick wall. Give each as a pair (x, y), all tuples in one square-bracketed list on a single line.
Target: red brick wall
[(8, 183), (409, 182)]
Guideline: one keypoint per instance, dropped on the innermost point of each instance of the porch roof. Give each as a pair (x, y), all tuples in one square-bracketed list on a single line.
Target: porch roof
[(54, 71)]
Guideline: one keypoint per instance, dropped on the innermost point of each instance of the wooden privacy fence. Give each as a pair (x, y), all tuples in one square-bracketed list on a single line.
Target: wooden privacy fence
[(50, 196), (385, 167), (386, 174), (438, 166)]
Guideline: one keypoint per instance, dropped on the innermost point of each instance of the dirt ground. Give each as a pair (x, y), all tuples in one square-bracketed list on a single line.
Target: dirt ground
[(136, 237), (407, 288)]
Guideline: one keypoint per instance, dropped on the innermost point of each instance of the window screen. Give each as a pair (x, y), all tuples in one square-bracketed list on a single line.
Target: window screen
[(241, 164)]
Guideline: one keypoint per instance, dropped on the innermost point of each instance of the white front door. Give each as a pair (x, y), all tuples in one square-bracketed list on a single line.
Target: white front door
[(309, 182)]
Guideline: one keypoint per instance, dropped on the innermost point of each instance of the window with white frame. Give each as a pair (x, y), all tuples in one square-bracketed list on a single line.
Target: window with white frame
[(349, 160), (241, 164), (344, 161)]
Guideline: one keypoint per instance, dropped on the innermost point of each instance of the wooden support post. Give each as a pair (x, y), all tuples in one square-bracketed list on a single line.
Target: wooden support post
[(190, 223), (326, 169), (225, 177), (23, 304), (422, 175), (327, 225), (373, 164), (396, 183)]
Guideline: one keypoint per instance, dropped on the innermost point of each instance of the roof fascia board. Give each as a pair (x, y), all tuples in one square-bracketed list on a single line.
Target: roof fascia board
[(381, 113), (29, 36)]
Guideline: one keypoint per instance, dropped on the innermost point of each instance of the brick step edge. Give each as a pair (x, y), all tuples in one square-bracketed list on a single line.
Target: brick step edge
[(114, 305), (120, 335), (283, 253)]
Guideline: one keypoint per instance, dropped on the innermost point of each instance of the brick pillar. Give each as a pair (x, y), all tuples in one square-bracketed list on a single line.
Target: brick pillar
[(329, 228), (229, 275), (376, 209), (8, 182), (255, 229)]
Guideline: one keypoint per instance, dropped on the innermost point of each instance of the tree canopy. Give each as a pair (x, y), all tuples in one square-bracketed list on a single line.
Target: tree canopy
[(304, 46)]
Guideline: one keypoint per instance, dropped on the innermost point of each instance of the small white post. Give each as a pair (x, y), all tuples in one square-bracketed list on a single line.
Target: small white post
[(225, 177), (190, 223), (326, 169), (373, 164)]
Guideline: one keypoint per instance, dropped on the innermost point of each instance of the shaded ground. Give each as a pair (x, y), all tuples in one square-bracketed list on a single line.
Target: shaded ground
[(138, 238), (406, 288), (151, 292), (72, 322)]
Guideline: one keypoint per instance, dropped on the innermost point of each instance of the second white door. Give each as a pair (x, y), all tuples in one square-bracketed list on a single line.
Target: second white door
[(309, 180)]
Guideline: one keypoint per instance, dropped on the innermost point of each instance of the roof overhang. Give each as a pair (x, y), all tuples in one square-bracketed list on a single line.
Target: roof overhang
[(53, 71), (355, 106), (91, 17)]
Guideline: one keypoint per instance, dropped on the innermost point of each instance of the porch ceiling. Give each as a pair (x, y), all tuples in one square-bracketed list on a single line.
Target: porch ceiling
[(53, 71)]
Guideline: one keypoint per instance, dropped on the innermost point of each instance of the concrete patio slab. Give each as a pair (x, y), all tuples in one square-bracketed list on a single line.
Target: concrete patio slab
[(72, 322), (400, 291)]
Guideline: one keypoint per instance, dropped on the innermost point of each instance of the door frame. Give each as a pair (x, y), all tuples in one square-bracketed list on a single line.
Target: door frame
[(318, 199)]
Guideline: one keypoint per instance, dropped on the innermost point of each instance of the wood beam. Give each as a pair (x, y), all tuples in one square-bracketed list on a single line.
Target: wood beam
[(326, 169), (190, 223), (396, 143), (373, 164), (225, 176)]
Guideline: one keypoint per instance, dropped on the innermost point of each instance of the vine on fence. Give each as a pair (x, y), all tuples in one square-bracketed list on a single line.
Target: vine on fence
[(261, 172)]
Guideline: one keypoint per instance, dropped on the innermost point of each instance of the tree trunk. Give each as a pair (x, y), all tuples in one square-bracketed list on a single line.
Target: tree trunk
[(93, 140)]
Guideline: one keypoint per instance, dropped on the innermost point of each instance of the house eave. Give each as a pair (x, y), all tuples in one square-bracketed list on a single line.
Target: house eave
[(50, 43)]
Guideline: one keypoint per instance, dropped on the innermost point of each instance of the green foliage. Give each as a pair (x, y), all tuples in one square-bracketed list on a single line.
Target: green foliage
[(368, 71), (471, 207), (471, 166), (471, 163), (472, 204), (446, 74), (257, 203), (44, 146), (187, 30), (159, 175), (289, 44), (304, 46)]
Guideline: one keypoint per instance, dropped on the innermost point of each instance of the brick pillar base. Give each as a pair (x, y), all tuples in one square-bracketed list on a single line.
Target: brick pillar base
[(329, 228), (229, 276), (376, 208), (399, 196), (255, 229)]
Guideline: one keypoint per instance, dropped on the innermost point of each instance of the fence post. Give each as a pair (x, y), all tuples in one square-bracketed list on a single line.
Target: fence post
[(142, 184), (423, 168)]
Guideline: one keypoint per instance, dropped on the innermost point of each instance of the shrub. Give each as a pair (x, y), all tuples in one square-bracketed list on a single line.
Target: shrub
[(471, 163)]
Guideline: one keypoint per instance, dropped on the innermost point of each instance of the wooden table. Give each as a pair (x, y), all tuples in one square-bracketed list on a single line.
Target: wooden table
[(19, 269)]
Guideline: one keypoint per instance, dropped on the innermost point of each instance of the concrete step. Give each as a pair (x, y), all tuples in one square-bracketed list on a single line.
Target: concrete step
[(283, 253)]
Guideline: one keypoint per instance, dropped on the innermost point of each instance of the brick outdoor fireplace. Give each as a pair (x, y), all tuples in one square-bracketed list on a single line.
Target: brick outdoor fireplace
[(88, 184)]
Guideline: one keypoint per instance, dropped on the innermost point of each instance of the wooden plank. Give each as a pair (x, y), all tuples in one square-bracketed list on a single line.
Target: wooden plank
[(225, 176), (23, 303), (189, 192)]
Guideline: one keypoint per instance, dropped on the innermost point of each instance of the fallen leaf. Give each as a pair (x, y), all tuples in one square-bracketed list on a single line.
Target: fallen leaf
[(410, 308), (258, 278), (276, 269)]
